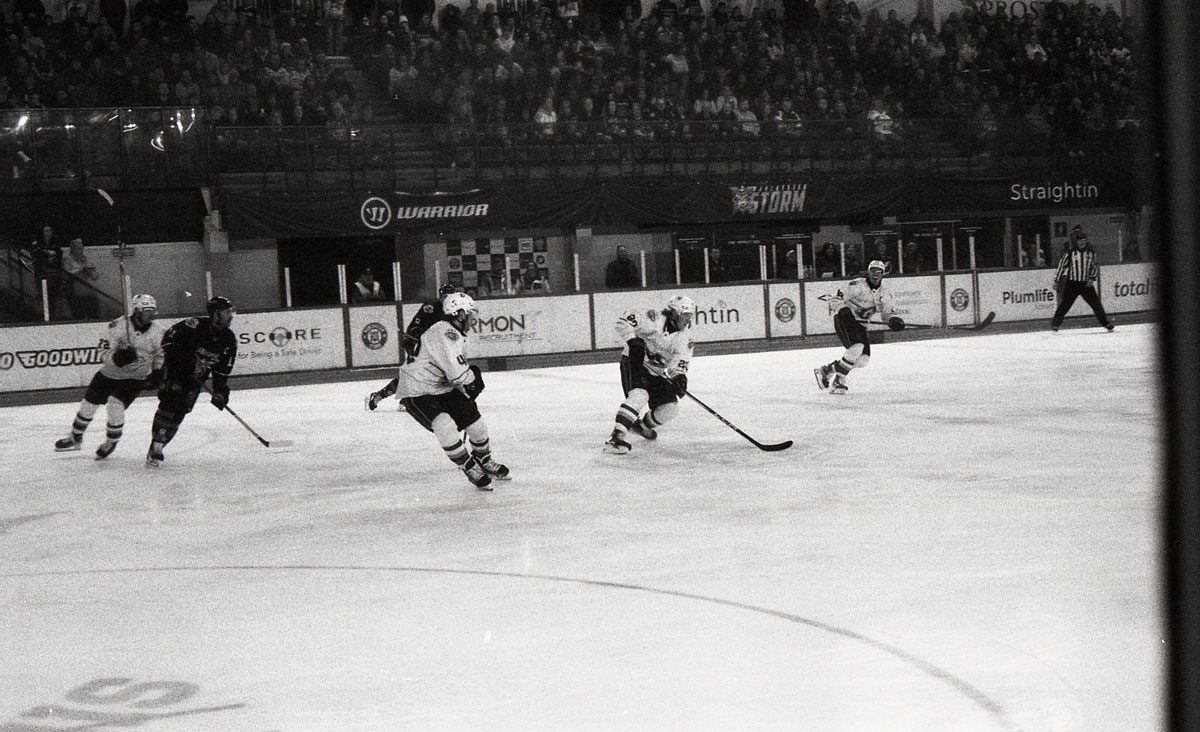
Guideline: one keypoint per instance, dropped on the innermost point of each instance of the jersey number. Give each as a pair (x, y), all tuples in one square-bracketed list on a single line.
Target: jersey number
[(462, 360)]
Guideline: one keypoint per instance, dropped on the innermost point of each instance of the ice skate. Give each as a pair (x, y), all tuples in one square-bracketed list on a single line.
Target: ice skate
[(105, 449), (477, 475), (497, 470), (645, 431), (371, 401), (154, 457), (823, 374), (839, 385), (67, 444), (616, 444), (1109, 327)]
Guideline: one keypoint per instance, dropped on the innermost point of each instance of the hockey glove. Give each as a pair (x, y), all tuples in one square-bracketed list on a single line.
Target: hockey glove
[(220, 397), (680, 384), (474, 389), (411, 346), (124, 356), (155, 379), (895, 323)]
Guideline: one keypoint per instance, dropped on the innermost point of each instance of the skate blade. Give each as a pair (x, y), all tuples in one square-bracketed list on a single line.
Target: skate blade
[(820, 382)]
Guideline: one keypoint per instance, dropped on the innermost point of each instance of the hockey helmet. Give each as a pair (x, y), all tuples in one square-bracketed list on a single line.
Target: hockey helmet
[(877, 264), (681, 309), (681, 304), (142, 302), (446, 290), (217, 303), (458, 303)]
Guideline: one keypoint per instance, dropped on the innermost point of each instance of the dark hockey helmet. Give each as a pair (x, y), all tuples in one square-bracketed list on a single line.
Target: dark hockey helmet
[(217, 303), (446, 290)]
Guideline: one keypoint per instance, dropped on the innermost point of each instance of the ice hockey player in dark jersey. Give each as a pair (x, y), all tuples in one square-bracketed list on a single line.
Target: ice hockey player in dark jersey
[(861, 298), (429, 313), (194, 349), (658, 349), (133, 360), (439, 389)]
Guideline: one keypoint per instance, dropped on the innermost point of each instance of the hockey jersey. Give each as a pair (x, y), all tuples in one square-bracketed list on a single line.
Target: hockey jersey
[(667, 354), (194, 348), (863, 300), (147, 343), (440, 364)]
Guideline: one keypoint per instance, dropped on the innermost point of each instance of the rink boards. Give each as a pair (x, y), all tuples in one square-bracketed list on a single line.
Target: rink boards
[(55, 356)]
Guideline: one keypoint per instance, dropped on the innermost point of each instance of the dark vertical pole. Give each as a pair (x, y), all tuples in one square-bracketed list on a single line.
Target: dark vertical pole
[(1169, 36)]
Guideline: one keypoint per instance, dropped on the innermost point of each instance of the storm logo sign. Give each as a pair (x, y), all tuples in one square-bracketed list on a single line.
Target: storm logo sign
[(784, 198)]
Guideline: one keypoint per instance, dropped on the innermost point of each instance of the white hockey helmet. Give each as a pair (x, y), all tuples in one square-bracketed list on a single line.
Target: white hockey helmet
[(142, 302), (681, 304), (877, 264), (458, 303)]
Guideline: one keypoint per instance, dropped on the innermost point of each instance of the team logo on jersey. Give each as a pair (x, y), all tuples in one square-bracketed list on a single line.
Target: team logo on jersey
[(959, 299), (375, 213), (452, 335), (785, 309), (374, 336)]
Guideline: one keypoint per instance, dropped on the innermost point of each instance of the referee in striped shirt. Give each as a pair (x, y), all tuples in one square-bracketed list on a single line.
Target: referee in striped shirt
[(1076, 277)]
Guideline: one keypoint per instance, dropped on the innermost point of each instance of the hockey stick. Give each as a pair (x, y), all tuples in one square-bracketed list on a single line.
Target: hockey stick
[(242, 422), (987, 320), (765, 448), (120, 264)]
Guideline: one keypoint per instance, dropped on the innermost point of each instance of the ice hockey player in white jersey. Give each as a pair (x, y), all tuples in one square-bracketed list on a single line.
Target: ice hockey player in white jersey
[(859, 300), (654, 363), (133, 361), (439, 388)]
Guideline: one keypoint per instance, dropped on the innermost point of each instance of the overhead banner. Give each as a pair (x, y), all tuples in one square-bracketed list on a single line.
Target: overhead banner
[(565, 204), (1027, 192)]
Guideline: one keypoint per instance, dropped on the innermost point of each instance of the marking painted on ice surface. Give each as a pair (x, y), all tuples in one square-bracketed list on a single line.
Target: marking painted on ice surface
[(993, 708)]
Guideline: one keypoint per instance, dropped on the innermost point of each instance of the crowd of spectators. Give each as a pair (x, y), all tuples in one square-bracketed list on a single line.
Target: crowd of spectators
[(580, 70), (585, 69), (252, 64)]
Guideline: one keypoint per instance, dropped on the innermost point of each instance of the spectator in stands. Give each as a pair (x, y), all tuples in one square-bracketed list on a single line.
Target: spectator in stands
[(533, 280), (747, 119), (45, 257), (1031, 255), (621, 272), (366, 288), (879, 250), (546, 118), (717, 271), (914, 258), (829, 261), (78, 271)]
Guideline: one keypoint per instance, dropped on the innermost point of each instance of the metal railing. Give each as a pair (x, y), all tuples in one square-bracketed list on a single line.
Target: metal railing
[(149, 148), (55, 297)]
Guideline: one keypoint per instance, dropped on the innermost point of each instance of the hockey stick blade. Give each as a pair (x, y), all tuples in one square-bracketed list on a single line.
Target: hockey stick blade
[(776, 447), (765, 448)]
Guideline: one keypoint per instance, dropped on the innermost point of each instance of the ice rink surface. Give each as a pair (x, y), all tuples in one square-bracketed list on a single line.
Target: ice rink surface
[(967, 540)]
